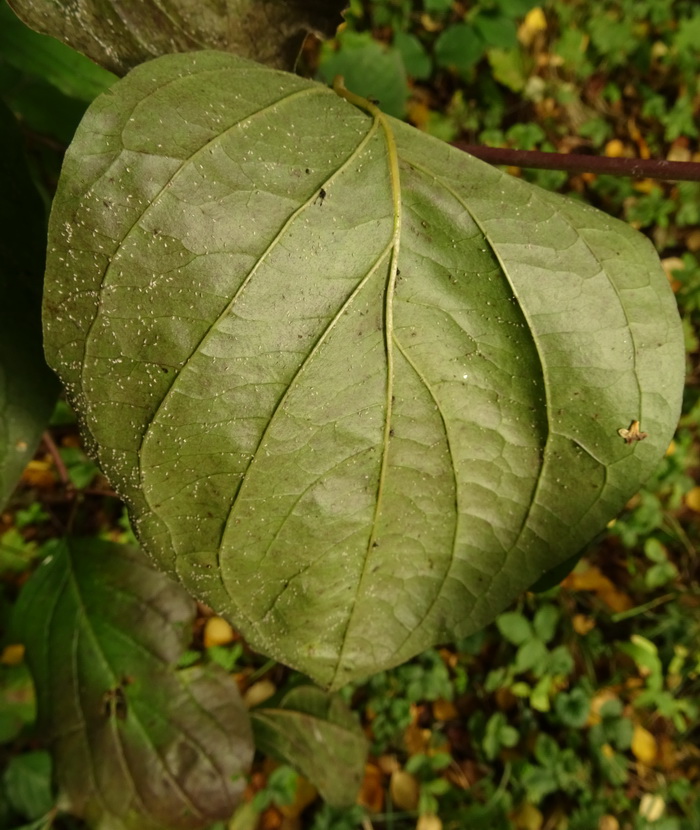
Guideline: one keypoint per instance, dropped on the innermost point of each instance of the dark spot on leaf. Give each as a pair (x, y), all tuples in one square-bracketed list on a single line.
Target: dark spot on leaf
[(114, 703)]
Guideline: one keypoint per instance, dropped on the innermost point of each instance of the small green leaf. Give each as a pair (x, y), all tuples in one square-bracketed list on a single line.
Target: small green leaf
[(540, 694), (560, 662), (517, 8), (415, 59), (508, 67), (572, 708), (320, 737), (498, 734), (545, 622), (279, 790), (459, 47), (369, 69), (532, 655), (496, 30), (514, 627), (135, 741), (27, 782)]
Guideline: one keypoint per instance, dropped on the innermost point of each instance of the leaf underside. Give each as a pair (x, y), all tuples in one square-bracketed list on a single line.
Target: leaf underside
[(358, 388), (119, 36), (136, 743), (320, 737)]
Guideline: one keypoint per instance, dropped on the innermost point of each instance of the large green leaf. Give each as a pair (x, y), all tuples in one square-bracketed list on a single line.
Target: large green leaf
[(318, 735), (28, 388), (136, 742), (119, 35), (358, 388)]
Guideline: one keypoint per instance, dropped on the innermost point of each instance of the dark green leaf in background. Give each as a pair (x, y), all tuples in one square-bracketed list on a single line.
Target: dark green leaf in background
[(416, 60), (496, 30), (358, 388), (459, 47), (69, 71), (27, 784), (136, 743), (119, 36), (320, 737), (370, 69), (28, 388)]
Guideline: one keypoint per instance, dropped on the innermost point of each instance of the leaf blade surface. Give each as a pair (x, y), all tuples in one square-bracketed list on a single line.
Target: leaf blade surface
[(358, 388), (318, 735), (136, 743), (119, 36)]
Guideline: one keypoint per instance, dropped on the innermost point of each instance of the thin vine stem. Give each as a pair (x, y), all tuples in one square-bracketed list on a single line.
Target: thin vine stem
[(678, 171)]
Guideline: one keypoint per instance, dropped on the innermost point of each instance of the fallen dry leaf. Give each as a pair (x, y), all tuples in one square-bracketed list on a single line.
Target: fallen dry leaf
[(692, 499), (259, 692), (429, 821), (404, 790), (218, 632), (643, 745), (594, 581), (371, 793), (526, 817)]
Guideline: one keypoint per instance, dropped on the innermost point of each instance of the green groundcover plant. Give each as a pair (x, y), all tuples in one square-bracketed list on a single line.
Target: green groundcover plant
[(357, 389)]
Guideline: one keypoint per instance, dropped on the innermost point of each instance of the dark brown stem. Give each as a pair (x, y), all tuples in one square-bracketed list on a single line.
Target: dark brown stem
[(53, 450), (676, 171)]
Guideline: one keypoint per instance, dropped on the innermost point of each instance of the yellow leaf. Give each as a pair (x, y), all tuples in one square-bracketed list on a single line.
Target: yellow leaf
[(593, 580), (12, 655), (218, 632), (692, 499), (608, 822), (526, 817), (246, 817), (534, 23), (643, 745), (645, 186), (582, 624), (444, 710), (615, 149), (428, 821), (259, 692), (39, 474), (404, 790)]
